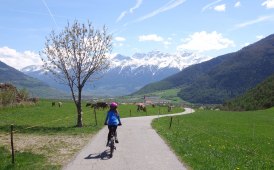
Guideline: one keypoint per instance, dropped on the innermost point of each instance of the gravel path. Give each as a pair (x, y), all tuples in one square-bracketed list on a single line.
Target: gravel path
[(140, 148)]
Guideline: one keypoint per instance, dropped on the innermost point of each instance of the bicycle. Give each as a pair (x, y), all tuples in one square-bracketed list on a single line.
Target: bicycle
[(112, 141)]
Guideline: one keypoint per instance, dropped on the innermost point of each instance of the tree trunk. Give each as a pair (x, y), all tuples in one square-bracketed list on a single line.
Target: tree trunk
[(79, 118), (79, 109)]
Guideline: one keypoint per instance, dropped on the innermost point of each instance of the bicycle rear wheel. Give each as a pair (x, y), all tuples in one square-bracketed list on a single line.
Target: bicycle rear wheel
[(112, 139), (111, 147)]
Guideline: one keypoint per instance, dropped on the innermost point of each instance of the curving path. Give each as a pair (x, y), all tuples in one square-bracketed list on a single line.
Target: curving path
[(140, 148)]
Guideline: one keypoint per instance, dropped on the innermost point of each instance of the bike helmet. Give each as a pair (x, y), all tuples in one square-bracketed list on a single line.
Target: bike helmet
[(113, 105)]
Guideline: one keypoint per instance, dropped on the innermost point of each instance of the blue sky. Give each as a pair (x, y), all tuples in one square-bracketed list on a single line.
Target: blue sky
[(207, 27)]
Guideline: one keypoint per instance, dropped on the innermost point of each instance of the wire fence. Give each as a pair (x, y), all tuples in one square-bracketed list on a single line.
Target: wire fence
[(9, 137)]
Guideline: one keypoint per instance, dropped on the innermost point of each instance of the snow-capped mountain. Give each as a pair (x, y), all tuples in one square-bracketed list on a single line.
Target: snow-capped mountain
[(128, 74), (156, 58)]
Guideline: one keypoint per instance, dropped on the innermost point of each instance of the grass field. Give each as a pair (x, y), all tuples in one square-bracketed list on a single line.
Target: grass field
[(222, 140), (170, 94), (48, 136), (24, 160), (167, 95)]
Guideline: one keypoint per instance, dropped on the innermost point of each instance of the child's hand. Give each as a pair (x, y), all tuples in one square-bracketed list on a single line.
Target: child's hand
[(106, 123), (120, 124)]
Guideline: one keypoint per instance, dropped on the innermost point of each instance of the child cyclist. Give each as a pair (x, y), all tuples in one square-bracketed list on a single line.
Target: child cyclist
[(113, 120)]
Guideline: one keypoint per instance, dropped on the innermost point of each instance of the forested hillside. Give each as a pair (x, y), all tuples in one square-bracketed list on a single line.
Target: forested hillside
[(260, 97)]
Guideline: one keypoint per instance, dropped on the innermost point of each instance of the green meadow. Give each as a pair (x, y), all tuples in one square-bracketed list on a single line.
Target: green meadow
[(43, 118), (221, 140), (24, 160), (51, 129)]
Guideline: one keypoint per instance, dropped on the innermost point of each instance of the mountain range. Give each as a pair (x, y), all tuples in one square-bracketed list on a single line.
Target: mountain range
[(199, 79), (221, 78), (127, 74)]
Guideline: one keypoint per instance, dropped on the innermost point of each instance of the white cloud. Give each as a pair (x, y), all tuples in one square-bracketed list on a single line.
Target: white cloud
[(121, 16), (151, 37), (119, 38), (220, 8), (156, 38), (260, 37), (137, 5), (237, 4), (209, 6), (203, 41), (131, 10), (255, 21), (167, 43), (118, 44), (170, 5), (268, 3), (246, 44), (19, 60)]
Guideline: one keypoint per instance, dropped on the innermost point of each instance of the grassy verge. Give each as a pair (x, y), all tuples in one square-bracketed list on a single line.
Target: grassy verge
[(222, 140), (24, 161), (49, 133)]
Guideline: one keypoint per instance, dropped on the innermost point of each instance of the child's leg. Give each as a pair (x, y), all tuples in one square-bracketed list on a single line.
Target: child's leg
[(115, 134), (109, 132), (115, 131), (112, 128)]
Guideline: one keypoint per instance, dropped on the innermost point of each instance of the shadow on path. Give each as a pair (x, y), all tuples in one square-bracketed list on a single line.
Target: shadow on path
[(103, 156)]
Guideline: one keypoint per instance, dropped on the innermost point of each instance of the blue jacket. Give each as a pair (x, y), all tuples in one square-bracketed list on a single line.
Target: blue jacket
[(112, 118)]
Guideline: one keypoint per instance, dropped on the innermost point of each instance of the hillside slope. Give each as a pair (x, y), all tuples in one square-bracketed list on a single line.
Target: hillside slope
[(241, 71), (260, 97), (223, 77), (20, 80), (184, 78)]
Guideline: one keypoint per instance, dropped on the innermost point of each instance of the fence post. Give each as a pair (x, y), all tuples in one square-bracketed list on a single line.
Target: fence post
[(11, 142), (253, 132), (130, 112), (95, 117), (170, 123)]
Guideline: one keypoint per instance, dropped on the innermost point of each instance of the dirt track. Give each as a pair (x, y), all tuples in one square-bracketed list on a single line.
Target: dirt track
[(140, 147)]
